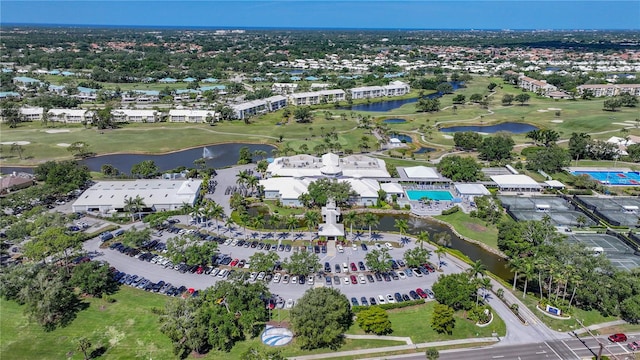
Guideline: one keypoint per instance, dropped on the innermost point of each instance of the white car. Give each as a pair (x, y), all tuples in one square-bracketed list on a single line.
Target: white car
[(289, 303), (253, 276), (416, 272), (346, 280), (363, 280), (340, 248), (261, 275), (234, 242), (276, 278), (402, 275), (228, 242), (310, 280), (294, 279), (354, 247), (381, 300), (285, 279), (223, 273), (215, 272), (388, 245), (390, 299)]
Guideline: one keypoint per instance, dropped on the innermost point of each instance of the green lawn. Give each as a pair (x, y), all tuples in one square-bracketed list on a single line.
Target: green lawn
[(415, 322), (472, 228)]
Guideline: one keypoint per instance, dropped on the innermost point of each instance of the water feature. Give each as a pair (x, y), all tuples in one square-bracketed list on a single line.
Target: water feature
[(206, 153), (402, 137), (388, 105), (424, 150), (222, 155), (512, 127), (394, 121)]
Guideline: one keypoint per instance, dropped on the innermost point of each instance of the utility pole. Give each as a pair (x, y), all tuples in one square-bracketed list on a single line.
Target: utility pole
[(600, 344)]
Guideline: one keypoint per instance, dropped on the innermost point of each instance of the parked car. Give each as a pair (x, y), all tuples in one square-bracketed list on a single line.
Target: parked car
[(327, 267), (388, 245), (372, 301), (354, 279), (289, 303), (363, 246), (340, 248), (364, 301), (338, 269), (361, 266), (618, 337), (354, 301), (634, 345), (354, 267)]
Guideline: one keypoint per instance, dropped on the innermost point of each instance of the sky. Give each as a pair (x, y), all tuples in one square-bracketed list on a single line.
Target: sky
[(358, 14)]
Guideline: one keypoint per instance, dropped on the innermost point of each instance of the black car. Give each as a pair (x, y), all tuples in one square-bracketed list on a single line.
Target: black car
[(364, 247), (372, 301), (414, 295), (405, 297), (394, 275), (267, 247), (254, 244), (316, 249), (287, 248), (260, 246), (361, 266), (386, 277), (280, 247), (354, 301), (398, 297), (378, 276), (363, 301), (323, 249), (338, 269), (301, 280), (370, 278), (394, 264), (327, 267)]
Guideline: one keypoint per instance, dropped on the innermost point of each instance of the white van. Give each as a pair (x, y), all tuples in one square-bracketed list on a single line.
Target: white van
[(597, 250)]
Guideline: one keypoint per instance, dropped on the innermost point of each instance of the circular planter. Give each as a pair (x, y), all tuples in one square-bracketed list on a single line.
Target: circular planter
[(487, 323)]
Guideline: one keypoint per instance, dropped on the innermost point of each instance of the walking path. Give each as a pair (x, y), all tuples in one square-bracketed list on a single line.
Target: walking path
[(380, 337), (395, 348)]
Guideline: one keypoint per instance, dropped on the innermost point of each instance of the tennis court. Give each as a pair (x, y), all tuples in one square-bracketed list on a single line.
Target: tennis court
[(631, 178), (617, 211), (561, 212), (620, 255)]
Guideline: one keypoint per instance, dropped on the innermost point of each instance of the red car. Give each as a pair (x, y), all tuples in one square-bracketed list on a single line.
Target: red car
[(234, 262), (354, 267), (421, 293), (200, 270), (618, 338), (429, 267), (354, 279), (634, 345)]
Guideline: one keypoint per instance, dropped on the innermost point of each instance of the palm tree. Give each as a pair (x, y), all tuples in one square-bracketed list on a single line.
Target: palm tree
[(402, 225), (244, 221), (477, 268), (439, 251), (252, 182), (311, 218), (485, 283), (576, 279), (257, 222), (291, 222), (215, 211), (186, 208), (581, 220), (242, 177), (133, 205), (516, 265), (229, 223), (422, 238), (527, 273), (197, 214), (370, 220), (349, 219), (274, 221)]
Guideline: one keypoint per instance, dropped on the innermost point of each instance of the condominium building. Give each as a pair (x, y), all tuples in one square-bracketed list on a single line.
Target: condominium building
[(191, 116), (70, 116), (134, 116), (536, 86)]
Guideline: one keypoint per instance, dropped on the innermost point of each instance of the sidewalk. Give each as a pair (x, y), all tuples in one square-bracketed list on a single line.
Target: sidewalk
[(394, 348), (600, 326)]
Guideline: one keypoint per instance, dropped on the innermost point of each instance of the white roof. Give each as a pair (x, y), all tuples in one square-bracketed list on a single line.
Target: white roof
[(68, 112), (153, 192), (471, 189), (555, 184), (543, 206), (31, 110), (134, 112), (289, 188), (331, 229), (392, 188), (421, 172), (522, 181), (630, 207), (356, 166), (366, 188)]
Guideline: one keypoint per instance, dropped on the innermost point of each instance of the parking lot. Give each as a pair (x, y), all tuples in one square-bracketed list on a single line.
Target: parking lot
[(364, 284)]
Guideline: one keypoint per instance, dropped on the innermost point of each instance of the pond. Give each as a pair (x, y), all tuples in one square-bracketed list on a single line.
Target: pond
[(388, 105), (217, 156), (424, 150), (512, 127), (402, 137), (394, 121)]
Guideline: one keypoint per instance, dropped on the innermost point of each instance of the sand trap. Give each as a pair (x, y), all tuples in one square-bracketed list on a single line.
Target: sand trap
[(16, 142), (554, 109), (55, 131), (623, 124), (557, 121), (542, 110), (63, 144), (447, 136)]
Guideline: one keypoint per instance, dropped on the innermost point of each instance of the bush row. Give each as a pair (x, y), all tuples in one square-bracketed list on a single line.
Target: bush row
[(357, 309), (453, 210)]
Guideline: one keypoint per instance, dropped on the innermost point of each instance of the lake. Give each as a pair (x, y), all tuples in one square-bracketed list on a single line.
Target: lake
[(394, 121), (221, 155), (512, 127), (388, 105)]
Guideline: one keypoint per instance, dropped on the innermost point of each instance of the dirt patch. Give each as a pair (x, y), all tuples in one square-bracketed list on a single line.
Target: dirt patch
[(475, 227)]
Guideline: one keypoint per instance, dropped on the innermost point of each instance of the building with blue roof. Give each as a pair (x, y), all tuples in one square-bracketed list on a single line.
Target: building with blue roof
[(141, 96), (54, 72), (295, 78), (168, 80), (9, 94), (58, 89), (7, 71), (189, 80), (67, 73), (24, 81), (311, 78), (212, 88), (210, 80)]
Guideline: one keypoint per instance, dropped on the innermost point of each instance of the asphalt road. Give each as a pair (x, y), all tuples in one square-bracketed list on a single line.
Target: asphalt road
[(551, 350)]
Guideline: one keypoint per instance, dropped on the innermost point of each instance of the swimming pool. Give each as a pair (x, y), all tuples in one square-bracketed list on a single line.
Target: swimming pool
[(613, 177), (416, 195)]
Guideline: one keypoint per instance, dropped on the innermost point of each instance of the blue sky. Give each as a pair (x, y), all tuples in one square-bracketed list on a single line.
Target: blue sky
[(389, 14)]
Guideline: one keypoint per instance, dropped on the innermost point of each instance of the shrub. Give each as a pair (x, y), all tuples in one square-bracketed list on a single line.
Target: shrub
[(453, 210)]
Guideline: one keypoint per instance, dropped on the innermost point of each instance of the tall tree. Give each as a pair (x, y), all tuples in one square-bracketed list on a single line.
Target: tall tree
[(443, 321), (320, 319), (134, 205), (422, 238), (374, 320)]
